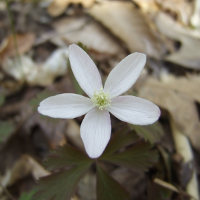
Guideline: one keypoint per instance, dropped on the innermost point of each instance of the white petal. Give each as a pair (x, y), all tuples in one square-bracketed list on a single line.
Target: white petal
[(65, 106), (125, 74), (134, 110), (96, 131), (84, 69)]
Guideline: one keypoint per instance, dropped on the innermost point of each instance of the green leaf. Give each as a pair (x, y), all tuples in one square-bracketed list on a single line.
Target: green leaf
[(151, 133), (108, 188), (121, 138), (84, 47), (61, 185), (139, 157), (2, 100), (27, 196), (66, 156), (34, 103), (6, 129), (40, 96)]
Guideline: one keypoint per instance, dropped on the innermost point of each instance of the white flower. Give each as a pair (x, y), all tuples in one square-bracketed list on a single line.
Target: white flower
[(96, 126)]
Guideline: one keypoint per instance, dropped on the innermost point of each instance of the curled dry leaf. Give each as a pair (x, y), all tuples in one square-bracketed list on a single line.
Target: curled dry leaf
[(25, 69), (56, 65), (57, 7), (149, 6), (188, 55), (195, 18), (181, 107), (182, 8), (18, 67), (174, 95), (188, 85), (128, 24), (22, 167), (86, 31), (24, 43)]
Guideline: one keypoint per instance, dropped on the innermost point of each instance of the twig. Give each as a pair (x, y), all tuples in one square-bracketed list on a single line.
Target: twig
[(183, 148), (14, 34)]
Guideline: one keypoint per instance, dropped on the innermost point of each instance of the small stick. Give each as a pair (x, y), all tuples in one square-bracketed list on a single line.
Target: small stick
[(184, 149)]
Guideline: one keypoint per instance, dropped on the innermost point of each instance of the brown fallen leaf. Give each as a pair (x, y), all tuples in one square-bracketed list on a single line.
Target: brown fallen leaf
[(57, 7), (128, 24), (188, 84), (149, 6), (87, 186), (25, 69), (73, 133), (21, 168), (24, 43), (182, 8), (180, 106), (88, 32), (195, 17), (188, 55)]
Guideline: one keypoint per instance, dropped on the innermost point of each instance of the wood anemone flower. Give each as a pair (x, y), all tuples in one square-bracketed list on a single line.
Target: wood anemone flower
[(96, 127)]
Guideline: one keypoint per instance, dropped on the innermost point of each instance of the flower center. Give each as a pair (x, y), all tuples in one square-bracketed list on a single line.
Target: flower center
[(101, 99)]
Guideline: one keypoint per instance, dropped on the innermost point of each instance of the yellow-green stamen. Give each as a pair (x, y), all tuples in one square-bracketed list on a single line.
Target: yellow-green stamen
[(101, 99)]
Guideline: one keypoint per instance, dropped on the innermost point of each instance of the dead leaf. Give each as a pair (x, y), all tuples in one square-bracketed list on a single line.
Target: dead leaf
[(73, 133), (188, 55), (188, 85), (181, 107), (195, 18), (128, 24), (182, 8), (25, 165), (57, 7), (87, 186), (24, 43), (88, 32), (22, 167), (147, 6), (25, 69), (56, 65), (18, 67)]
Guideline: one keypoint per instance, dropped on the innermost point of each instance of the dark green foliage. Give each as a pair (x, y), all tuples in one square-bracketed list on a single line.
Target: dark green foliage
[(61, 185), (66, 156), (108, 188), (139, 157), (151, 133), (123, 150), (27, 196), (121, 138), (84, 47), (2, 100), (40, 96), (34, 103), (6, 129)]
